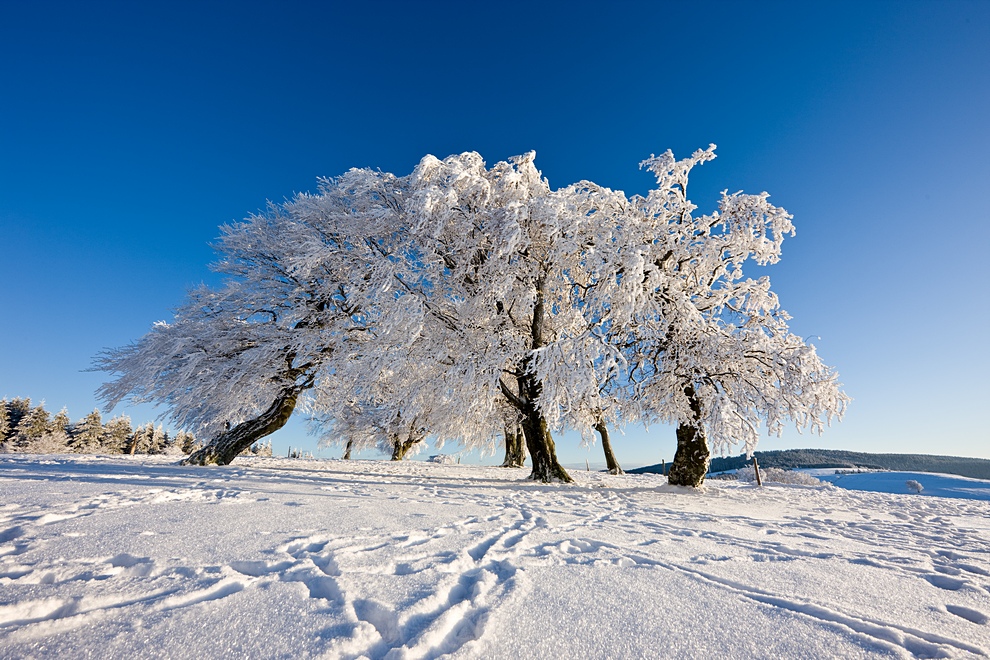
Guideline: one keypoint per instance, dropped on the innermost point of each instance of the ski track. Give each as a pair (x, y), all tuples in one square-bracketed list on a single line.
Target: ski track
[(456, 574)]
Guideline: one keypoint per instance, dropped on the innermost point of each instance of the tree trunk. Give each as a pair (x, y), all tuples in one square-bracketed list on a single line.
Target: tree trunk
[(610, 462), (401, 448), (224, 448), (347, 450), (692, 457), (515, 450), (542, 450)]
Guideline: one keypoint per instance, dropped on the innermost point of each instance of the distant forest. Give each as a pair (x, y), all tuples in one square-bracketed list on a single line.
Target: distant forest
[(32, 429), (975, 468)]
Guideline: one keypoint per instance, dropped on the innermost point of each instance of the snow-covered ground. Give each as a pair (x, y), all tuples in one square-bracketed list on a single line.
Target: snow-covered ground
[(129, 557), (933, 485)]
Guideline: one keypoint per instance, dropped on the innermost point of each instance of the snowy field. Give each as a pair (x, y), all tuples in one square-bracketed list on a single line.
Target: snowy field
[(135, 557), (934, 485)]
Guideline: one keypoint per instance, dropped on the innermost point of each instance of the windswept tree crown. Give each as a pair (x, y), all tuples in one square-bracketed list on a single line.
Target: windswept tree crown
[(461, 298)]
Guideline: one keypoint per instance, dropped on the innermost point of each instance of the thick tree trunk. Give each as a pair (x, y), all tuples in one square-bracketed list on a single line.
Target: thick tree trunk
[(692, 457), (515, 449), (400, 448), (610, 462), (347, 450), (542, 450), (223, 449)]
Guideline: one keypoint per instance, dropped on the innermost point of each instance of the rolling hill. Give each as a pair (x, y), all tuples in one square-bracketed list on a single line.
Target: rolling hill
[(975, 468)]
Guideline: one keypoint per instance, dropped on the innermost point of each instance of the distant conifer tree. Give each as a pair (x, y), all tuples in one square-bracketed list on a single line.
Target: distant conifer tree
[(87, 434), (31, 428), (16, 409), (118, 435), (60, 422), (5, 427)]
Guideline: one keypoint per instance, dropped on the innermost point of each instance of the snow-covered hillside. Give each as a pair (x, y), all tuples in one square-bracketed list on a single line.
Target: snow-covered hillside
[(135, 557)]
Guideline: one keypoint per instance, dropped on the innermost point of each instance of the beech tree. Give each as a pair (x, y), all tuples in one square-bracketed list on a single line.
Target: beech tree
[(491, 256), (515, 446), (462, 300), (712, 351), (235, 360), (365, 426)]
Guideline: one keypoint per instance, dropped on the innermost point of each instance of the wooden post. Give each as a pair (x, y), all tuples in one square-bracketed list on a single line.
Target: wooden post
[(756, 469), (587, 465), (663, 467)]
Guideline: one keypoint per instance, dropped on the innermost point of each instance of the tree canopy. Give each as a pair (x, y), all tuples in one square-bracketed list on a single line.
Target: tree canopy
[(461, 300)]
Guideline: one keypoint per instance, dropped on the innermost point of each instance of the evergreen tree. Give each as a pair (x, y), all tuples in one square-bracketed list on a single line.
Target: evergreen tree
[(56, 438), (186, 442), (142, 439), (16, 409), (159, 438), (35, 423), (5, 427), (60, 423), (173, 444), (31, 428), (118, 435), (87, 434)]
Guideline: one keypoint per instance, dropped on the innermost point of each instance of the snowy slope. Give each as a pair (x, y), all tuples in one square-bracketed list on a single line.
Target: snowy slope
[(135, 557), (935, 485)]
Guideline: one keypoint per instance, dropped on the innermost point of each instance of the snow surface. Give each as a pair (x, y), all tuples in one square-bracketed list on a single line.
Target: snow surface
[(128, 557), (935, 485)]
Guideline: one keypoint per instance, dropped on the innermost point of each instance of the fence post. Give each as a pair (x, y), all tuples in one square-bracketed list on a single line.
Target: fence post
[(756, 469)]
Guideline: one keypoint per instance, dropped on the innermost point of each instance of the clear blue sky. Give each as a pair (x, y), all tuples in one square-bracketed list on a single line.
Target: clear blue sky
[(130, 131)]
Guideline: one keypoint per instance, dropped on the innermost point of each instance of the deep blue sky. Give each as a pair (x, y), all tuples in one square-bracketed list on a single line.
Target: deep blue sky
[(130, 131)]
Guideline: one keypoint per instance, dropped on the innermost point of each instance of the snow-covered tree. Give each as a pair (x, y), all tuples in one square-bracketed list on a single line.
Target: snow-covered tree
[(515, 445), (5, 427), (392, 307), (16, 409), (235, 360), (159, 439), (403, 439), (56, 437), (186, 442), (60, 422), (117, 435), (88, 434), (149, 439), (37, 431), (483, 264), (711, 349), (173, 444), (32, 427), (263, 448), (142, 439)]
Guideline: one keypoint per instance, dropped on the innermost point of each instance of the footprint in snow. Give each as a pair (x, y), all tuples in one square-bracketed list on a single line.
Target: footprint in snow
[(945, 582), (971, 615)]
